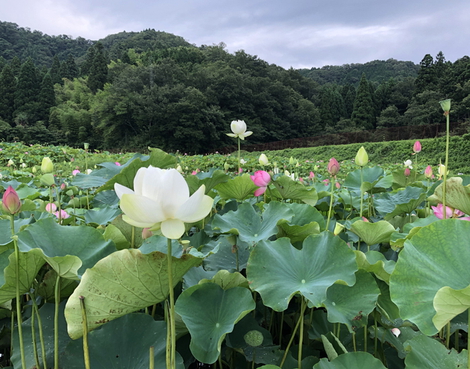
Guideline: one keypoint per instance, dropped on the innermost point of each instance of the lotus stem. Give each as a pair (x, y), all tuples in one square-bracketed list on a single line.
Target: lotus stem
[(56, 322), (86, 354), (33, 335), (330, 210), (446, 163), (41, 335), (362, 193), (171, 315), (18, 300), (365, 338), (302, 311), (239, 164), (301, 333), (152, 357), (448, 335), (354, 341)]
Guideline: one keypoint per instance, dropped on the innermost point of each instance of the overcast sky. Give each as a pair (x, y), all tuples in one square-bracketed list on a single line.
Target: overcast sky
[(289, 33)]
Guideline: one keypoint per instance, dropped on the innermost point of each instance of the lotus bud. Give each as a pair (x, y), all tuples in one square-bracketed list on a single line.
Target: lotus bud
[(361, 157), (11, 203), (407, 172), (291, 161), (396, 332), (146, 233), (428, 172), (33, 169), (445, 105), (46, 165), (86, 145), (263, 159), (333, 167), (417, 147), (226, 166), (179, 169), (10, 163), (338, 229), (441, 170)]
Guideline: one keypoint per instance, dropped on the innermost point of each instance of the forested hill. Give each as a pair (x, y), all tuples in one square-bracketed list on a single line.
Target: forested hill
[(132, 90), (377, 71), (41, 48)]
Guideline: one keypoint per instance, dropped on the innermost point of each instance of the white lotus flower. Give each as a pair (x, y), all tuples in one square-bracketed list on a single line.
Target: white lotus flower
[(160, 200), (408, 163), (238, 128)]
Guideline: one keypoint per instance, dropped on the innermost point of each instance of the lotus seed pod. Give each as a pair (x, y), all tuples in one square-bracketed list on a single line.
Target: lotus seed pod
[(254, 338)]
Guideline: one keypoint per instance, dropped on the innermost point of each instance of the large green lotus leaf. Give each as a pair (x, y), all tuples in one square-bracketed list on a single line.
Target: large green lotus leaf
[(372, 233), (102, 216), (105, 198), (227, 280), (401, 201), (388, 310), (114, 234), (252, 226), (426, 352), (30, 264), (375, 262), (457, 195), (122, 344), (238, 188), (307, 220), (158, 158), (449, 303), (209, 179), (287, 188), (122, 283), (437, 256), (47, 319), (25, 191), (68, 250), (5, 229), (397, 239), (278, 271), (344, 306), (226, 256), (86, 181), (128, 231), (46, 288), (371, 176), (351, 360), (209, 313)]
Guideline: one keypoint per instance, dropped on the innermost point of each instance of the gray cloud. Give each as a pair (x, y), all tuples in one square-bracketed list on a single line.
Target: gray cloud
[(302, 33)]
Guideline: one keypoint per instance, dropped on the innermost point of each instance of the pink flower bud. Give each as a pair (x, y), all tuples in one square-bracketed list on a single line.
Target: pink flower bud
[(11, 203), (407, 172), (333, 167), (311, 175), (417, 147), (428, 172)]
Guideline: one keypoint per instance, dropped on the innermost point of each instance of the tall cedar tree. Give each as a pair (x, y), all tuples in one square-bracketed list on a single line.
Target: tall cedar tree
[(99, 69), (7, 94), (46, 98), (55, 71), (69, 69), (427, 78), (364, 108), (27, 91)]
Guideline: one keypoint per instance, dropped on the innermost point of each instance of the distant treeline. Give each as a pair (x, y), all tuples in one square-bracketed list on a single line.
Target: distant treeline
[(137, 89)]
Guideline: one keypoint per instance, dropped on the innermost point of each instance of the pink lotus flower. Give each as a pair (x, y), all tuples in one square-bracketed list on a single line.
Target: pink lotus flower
[(326, 182), (63, 214), (51, 207), (311, 175), (333, 167), (75, 172), (261, 179), (118, 163), (450, 212), (338, 185), (417, 147), (11, 203)]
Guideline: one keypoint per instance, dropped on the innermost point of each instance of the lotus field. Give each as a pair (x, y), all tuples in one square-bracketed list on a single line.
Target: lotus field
[(147, 262)]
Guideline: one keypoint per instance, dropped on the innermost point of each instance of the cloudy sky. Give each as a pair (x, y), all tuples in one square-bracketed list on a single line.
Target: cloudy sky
[(289, 33)]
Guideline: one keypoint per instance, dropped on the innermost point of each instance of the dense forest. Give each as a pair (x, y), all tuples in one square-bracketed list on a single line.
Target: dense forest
[(132, 90)]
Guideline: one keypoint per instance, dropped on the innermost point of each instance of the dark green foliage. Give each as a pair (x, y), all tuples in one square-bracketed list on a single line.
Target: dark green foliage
[(27, 93), (68, 68), (363, 114), (46, 98), (7, 93), (55, 71), (98, 72), (378, 71)]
